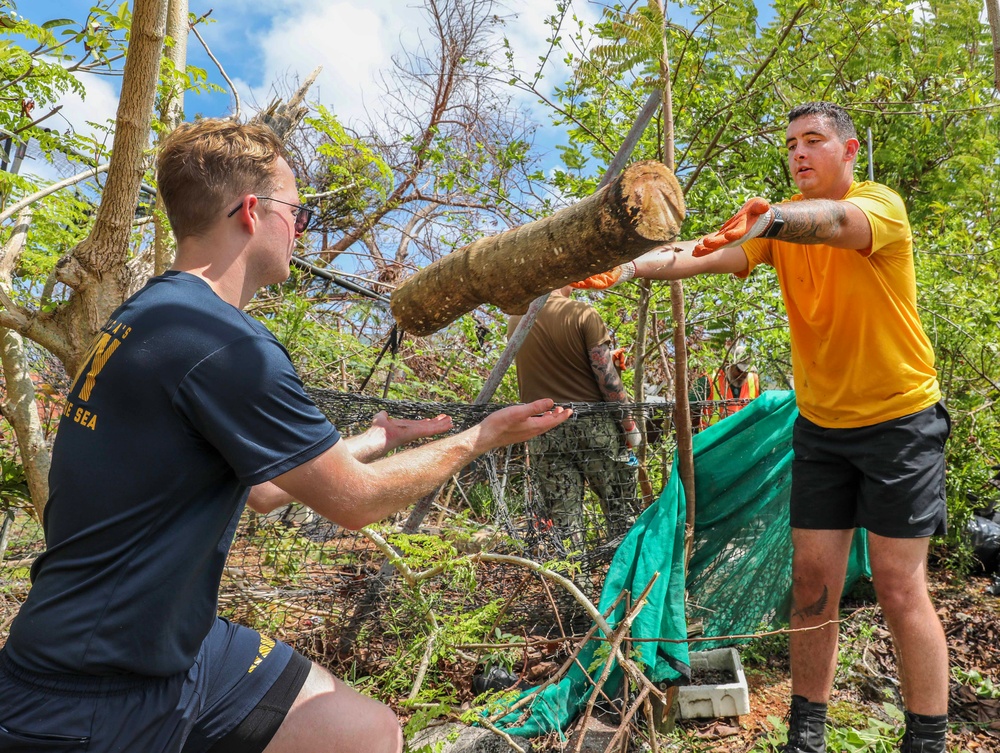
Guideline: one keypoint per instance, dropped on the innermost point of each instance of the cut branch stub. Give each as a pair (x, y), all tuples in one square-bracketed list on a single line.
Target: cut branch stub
[(640, 210)]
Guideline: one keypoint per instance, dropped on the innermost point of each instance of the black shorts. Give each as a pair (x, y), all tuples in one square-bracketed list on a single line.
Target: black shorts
[(888, 478), (236, 694)]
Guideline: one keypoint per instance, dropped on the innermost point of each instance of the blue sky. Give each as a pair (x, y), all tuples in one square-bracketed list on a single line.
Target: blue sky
[(263, 45)]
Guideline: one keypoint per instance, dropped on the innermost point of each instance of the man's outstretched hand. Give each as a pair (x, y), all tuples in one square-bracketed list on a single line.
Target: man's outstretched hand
[(386, 434), (400, 431), (519, 423), (609, 279), (752, 219)]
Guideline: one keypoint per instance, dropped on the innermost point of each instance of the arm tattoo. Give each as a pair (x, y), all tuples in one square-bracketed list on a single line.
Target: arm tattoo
[(816, 608), (607, 377), (811, 221)]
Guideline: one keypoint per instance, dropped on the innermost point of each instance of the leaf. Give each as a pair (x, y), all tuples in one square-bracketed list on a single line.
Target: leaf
[(893, 711), (56, 22)]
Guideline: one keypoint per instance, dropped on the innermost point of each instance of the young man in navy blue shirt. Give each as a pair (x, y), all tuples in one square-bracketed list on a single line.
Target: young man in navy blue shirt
[(185, 409)]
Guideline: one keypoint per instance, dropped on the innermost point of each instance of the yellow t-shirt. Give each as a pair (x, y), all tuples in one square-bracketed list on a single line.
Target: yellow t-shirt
[(859, 353)]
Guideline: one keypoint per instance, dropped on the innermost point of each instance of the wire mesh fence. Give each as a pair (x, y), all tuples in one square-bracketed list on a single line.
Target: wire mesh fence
[(389, 608)]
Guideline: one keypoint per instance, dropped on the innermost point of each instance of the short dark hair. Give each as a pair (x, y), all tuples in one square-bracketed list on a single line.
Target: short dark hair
[(837, 116)]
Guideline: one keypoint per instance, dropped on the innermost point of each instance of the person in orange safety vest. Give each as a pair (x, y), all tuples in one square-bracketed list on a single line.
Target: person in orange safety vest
[(737, 381)]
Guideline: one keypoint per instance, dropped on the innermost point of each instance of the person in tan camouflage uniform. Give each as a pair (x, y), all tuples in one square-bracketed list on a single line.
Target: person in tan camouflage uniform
[(567, 357)]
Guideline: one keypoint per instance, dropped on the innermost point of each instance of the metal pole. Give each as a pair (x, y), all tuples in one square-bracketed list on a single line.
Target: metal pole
[(338, 280), (871, 164)]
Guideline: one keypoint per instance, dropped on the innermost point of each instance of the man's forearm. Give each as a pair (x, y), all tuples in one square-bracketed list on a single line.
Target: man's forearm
[(834, 223), (676, 261), (354, 494), (812, 221), (608, 380)]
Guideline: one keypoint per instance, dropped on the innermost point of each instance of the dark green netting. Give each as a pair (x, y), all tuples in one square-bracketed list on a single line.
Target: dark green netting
[(740, 571), (740, 574)]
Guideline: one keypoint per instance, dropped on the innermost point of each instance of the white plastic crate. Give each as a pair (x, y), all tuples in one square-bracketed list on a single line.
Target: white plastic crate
[(709, 701)]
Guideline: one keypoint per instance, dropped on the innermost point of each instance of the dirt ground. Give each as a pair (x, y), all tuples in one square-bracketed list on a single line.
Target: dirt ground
[(865, 679), (866, 675), (866, 686)]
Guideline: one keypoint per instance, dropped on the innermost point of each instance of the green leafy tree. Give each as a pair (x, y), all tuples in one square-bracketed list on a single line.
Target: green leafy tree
[(736, 71)]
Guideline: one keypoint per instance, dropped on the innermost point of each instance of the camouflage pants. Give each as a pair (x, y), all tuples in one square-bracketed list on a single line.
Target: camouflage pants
[(586, 450)]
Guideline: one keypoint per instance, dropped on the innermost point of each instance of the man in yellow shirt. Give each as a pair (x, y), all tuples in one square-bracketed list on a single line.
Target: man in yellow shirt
[(869, 442)]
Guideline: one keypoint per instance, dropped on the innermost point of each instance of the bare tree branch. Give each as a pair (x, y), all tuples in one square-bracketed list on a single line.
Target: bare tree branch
[(42, 193)]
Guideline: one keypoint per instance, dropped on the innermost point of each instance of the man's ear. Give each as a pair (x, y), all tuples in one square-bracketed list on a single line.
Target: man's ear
[(249, 213), (853, 146)]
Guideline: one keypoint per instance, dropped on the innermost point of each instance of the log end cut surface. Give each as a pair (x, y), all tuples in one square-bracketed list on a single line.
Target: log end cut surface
[(654, 201)]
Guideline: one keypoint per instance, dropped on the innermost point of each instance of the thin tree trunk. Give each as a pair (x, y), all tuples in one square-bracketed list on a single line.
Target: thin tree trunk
[(638, 211), (993, 13), (170, 115), (21, 410), (176, 53), (107, 248), (19, 406), (96, 269), (682, 409)]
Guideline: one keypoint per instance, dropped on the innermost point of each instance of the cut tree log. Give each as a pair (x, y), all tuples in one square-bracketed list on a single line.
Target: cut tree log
[(642, 209)]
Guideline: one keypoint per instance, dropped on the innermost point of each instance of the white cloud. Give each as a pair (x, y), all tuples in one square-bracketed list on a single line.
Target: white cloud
[(529, 31), (351, 40), (98, 106)]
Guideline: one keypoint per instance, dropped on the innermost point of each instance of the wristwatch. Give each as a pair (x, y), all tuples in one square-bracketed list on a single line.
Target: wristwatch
[(774, 228)]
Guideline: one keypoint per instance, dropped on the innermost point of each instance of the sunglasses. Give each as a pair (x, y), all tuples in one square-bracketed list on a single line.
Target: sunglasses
[(302, 217)]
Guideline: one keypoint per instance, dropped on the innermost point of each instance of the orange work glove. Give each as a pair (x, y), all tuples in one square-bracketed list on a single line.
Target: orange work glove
[(608, 279), (618, 358), (752, 220)]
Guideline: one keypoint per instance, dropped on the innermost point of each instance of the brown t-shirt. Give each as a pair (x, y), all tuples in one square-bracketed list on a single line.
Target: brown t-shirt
[(554, 360)]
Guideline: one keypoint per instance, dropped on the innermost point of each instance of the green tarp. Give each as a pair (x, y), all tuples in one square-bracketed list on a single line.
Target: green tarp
[(739, 576)]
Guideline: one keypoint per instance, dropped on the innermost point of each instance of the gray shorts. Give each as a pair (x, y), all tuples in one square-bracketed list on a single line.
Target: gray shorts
[(888, 478)]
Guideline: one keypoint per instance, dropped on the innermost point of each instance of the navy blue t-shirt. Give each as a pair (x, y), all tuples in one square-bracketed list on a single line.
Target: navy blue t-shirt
[(183, 403)]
